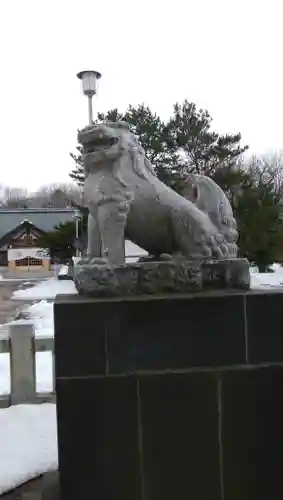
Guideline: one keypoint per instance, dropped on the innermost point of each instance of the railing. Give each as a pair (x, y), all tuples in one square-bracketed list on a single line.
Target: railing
[(22, 346)]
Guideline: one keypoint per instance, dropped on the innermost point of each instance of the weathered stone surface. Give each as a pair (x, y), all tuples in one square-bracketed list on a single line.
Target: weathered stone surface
[(230, 273), (161, 277), (126, 199), (196, 234)]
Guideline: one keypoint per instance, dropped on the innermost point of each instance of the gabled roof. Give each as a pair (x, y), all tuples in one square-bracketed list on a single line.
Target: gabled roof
[(23, 226), (44, 219)]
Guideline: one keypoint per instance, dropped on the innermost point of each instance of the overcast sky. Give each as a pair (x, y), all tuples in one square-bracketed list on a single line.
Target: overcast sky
[(224, 55)]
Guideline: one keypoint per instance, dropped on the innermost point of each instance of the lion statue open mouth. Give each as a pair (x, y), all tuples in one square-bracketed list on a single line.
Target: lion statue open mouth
[(96, 141), (127, 200)]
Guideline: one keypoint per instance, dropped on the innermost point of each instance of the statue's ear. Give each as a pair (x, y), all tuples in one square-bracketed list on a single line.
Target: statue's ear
[(192, 188), (195, 192)]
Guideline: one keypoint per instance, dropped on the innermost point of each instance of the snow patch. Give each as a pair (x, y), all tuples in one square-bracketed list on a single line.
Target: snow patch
[(47, 289), (266, 280), (133, 252), (28, 443), (41, 315), (5, 380), (276, 268), (76, 260), (28, 439), (63, 271), (43, 371)]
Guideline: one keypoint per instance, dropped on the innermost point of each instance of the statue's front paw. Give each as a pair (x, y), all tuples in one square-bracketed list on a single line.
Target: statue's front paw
[(213, 245), (218, 246)]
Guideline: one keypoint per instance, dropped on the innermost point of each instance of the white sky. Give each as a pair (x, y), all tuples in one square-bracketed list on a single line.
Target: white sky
[(224, 55)]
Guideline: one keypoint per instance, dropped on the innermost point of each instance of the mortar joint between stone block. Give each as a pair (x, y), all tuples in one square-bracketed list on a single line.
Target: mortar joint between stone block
[(220, 437), (140, 440)]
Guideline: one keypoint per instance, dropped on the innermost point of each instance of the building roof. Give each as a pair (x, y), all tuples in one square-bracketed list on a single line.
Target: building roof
[(24, 226), (43, 218)]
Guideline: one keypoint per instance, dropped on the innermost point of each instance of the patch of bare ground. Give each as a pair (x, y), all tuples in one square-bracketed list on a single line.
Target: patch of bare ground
[(9, 308), (44, 487)]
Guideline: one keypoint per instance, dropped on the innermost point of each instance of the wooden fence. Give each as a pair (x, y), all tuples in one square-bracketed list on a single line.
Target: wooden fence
[(22, 346)]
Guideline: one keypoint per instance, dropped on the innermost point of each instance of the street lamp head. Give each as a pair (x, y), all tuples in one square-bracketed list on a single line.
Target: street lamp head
[(77, 214), (89, 79)]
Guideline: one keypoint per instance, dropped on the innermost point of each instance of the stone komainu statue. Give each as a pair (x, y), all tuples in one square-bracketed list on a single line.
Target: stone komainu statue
[(127, 200)]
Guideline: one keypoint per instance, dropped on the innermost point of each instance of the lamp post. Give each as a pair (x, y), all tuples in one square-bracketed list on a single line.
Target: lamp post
[(89, 81)]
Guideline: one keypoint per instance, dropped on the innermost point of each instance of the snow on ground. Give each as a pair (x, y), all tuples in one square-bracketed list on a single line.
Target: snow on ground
[(44, 380), (40, 315), (28, 443), (47, 289), (63, 271), (28, 440), (4, 378), (276, 267), (12, 279), (267, 280), (133, 252)]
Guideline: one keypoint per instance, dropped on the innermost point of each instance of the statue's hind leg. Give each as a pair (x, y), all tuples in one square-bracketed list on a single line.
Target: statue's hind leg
[(196, 236)]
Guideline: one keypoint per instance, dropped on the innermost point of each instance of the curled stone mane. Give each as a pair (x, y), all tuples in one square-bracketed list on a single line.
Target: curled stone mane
[(130, 145)]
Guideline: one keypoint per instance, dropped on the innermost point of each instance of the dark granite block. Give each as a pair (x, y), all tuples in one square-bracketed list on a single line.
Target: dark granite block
[(180, 447), (79, 338), (176, 333), (265, 327), (97, 439), (253, 434)]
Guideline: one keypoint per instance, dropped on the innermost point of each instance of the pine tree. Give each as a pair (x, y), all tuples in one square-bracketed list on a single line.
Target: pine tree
[(60, 240), (184, 144), (77, 174), (203, 150), (259, 214)]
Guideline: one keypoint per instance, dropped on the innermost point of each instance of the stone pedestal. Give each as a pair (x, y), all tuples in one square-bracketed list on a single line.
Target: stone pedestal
[(170, 398), (158, 277)]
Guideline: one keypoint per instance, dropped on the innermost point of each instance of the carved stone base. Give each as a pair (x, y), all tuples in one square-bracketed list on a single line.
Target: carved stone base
[(160, 277)]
